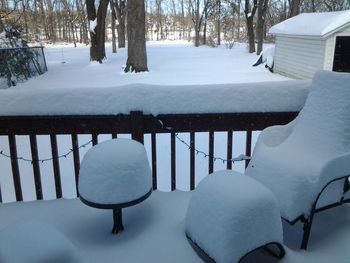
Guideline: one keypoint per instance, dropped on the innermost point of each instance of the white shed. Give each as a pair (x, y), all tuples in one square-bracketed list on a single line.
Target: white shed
[(312, 41)]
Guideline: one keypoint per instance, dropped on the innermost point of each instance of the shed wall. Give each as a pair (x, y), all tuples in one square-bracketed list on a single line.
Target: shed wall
[(299, 57)]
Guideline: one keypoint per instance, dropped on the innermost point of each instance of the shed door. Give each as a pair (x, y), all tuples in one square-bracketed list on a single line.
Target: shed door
[(342, 55)]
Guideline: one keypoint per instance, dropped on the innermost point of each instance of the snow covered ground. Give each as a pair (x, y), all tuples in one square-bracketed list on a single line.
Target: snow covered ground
[(154, 231), (169, 63)]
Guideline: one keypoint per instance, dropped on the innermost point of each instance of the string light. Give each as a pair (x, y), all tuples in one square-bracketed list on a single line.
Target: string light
[(46, 159), (239, 158)]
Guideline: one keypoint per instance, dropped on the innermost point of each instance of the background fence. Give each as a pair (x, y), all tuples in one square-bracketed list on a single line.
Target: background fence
[(20, 64)]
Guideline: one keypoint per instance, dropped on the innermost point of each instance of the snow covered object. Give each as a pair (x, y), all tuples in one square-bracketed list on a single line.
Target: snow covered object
[(35, 242), (298, 160), (230, 215), (115, 174), (18, 61), (115, 171), (266, 57)]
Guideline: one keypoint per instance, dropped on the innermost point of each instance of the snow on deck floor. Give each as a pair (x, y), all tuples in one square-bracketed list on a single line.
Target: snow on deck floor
[(154, 231)]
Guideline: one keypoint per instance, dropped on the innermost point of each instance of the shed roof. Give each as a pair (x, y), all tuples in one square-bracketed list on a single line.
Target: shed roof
[(312, 24)]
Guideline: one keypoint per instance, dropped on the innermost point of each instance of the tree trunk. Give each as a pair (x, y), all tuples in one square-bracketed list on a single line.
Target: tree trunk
[(239, 21), (2, 26), (97, 34), (114, 38), (137, 56), (262, 9), (120, 8), (197, 25), (219, 22), (294, 8), (249, 14), (205, 32)]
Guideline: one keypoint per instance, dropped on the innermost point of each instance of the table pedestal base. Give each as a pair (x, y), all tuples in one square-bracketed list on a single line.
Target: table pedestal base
[(117, 221)]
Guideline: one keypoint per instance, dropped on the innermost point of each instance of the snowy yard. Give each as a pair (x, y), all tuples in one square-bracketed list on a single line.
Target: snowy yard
[(155, 228), (169, 63)]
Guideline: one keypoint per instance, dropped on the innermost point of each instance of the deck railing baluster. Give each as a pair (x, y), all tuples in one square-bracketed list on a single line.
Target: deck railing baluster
[(36, 167), (154, 160), (94, 138), (248, 146), (76, 160), (173, 160), (211, 152), (192, 161), (15, 169), (56, 166), (229, 149)]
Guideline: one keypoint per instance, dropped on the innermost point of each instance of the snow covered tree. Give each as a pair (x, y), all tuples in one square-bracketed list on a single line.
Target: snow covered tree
[(137, 56), (97, 18)]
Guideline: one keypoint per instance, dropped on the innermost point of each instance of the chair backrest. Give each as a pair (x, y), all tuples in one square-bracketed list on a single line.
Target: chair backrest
[(323, 125)]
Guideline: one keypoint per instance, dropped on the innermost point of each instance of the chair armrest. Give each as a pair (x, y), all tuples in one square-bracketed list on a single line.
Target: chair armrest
[(275, 135), (336, 167)]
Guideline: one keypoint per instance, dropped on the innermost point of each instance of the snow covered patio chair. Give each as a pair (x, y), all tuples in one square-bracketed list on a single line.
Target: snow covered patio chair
[(36, 242), (306, 163), (230, 216)]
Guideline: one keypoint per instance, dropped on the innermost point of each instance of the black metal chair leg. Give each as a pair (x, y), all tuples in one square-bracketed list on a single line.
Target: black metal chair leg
[(276, 254), (307, 231), (117, 221)]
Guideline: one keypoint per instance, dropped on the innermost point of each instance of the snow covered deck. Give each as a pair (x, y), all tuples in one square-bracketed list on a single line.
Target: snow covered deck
[(154, 231)]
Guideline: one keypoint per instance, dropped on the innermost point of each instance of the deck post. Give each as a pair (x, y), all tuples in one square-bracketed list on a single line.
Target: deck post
[(137, 125)]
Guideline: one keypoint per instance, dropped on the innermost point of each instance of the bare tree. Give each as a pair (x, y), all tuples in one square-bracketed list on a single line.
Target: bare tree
[(218, 4), (97, 29), (262, 9), (120, 11), (114, 37), (159, 22), (137, 56), (294, 7), (249, 12), (200, 11)]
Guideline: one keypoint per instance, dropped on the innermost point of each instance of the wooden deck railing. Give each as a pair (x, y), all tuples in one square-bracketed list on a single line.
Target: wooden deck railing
[(137, 124)]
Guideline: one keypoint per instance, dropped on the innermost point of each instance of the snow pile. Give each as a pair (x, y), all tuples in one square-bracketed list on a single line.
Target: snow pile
[(268, 55), (312, 24), (151, 99), (35, 242), (230, 215), (115, 171), (295, 161)]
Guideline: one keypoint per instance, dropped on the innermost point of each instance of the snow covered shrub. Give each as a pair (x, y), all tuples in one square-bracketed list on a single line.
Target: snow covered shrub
[(229, 42), (212, 42), (18, 61)]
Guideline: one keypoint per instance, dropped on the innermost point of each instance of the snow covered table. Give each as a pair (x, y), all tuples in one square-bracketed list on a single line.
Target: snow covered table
[(115, 174), (231, 215), (35, 242)]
